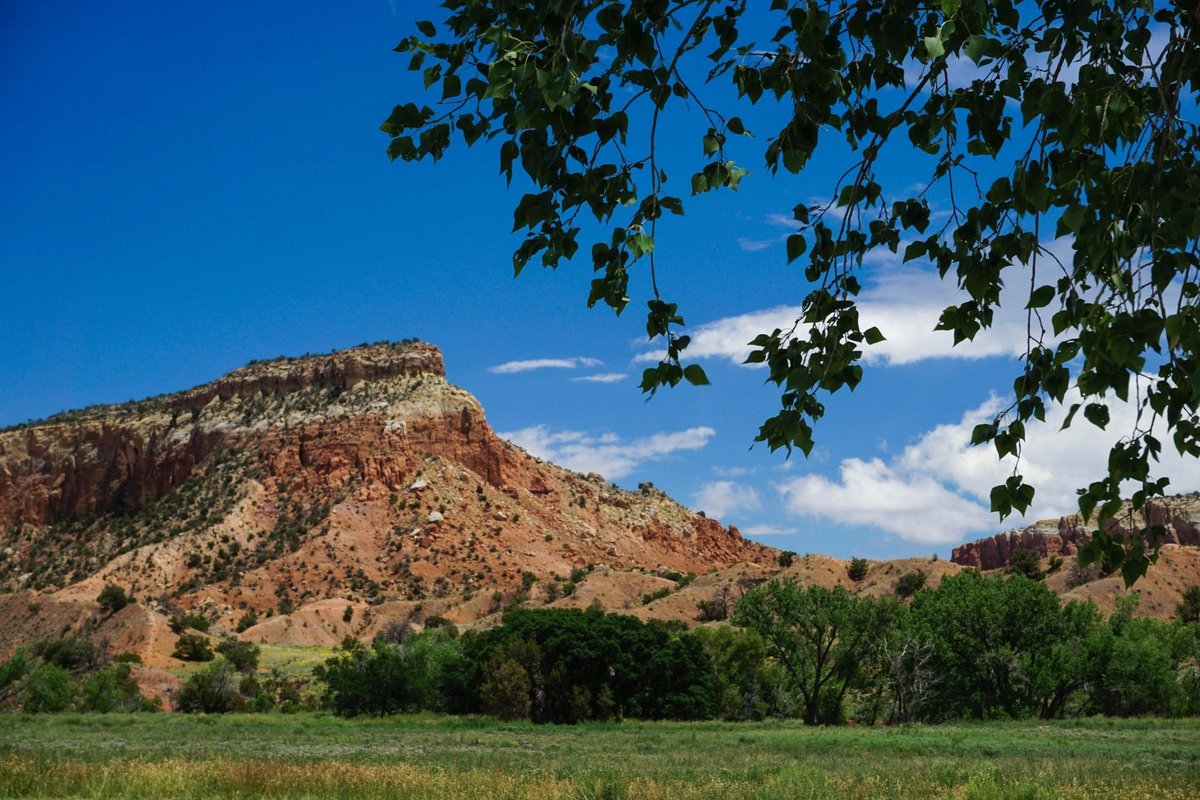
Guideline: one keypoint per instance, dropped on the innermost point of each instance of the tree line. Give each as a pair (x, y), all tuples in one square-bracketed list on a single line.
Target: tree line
[(976, 647), (973, 648)]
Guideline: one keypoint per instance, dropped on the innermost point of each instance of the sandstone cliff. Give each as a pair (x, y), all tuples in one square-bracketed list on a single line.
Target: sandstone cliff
[(1179, 516), (361, 478)]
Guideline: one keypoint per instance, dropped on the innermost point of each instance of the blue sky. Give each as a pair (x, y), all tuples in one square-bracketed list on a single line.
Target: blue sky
[(185, 187)]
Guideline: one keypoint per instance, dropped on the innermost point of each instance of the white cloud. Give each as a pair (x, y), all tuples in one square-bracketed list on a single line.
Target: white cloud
[(936, 491), (606, 454), (914, 507), (904, 302), (732, 472), (603, 377), (774, 220), (510, 367), (759, 531), (1057, 462), (721, 498), (754, 245)]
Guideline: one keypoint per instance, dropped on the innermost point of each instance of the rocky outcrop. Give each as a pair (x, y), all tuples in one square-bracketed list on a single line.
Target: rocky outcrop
[(119, 458), (359, 477), (1179, 516), (341, 370)]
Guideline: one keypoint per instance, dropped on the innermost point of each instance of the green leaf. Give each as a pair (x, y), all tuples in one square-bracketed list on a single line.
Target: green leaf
[(982, 433), (426, 27), (933, 48), (1040, 297), (873, 336), (1001, 501), (978, 48), (672, 204), (695, 375), (796, 245), (1097, 414), (640, 244)]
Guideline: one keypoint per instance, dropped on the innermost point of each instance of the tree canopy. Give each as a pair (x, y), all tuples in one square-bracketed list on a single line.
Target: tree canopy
[(1068, 120)]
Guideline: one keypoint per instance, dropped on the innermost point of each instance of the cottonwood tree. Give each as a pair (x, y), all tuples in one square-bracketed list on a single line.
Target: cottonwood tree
[(1067, 119), (822, 638)]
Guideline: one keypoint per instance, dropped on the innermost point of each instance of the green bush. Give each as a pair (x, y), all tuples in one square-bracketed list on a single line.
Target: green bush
[(73, 653), (857, 570), (242, 655), (1026, 562), (909, 583), (388, 678), (113, 598), (110, 689), (658, 594), (212, 690), (193, 647), (248, 620), (15, 668), (181, 622), (504, 692), (1188, 610), (47, 690)]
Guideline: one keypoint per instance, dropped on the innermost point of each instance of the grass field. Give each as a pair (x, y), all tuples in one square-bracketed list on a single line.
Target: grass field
[(174, 755)]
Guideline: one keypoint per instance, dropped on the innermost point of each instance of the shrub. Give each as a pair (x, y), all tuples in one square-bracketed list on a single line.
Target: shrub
[(786, 558), (1188, 611), (113, 598), (857, 569), (1026, 562), (388, 678), (659, 594), (212, 690), (1054, 565), (248, 620), (393, 632), (72, 653), (504, 692), (717, 608), (110, 689), (14, 668), (1079, 574), (242, 655), (909, 583), (47, 690), (181, 622), (192, 647)]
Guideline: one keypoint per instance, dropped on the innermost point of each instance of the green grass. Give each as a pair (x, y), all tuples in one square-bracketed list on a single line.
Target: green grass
[(318, 756)]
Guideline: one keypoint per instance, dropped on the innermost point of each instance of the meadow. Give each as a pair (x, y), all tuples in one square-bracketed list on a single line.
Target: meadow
[(428, 756)]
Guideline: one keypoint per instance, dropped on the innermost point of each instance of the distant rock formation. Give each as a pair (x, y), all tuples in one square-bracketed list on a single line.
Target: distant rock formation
[(1180, 516)]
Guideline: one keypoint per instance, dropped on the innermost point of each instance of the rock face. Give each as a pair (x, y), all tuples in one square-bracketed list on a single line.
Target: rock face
[(118, 458), (361, 476), (1180, 516)]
